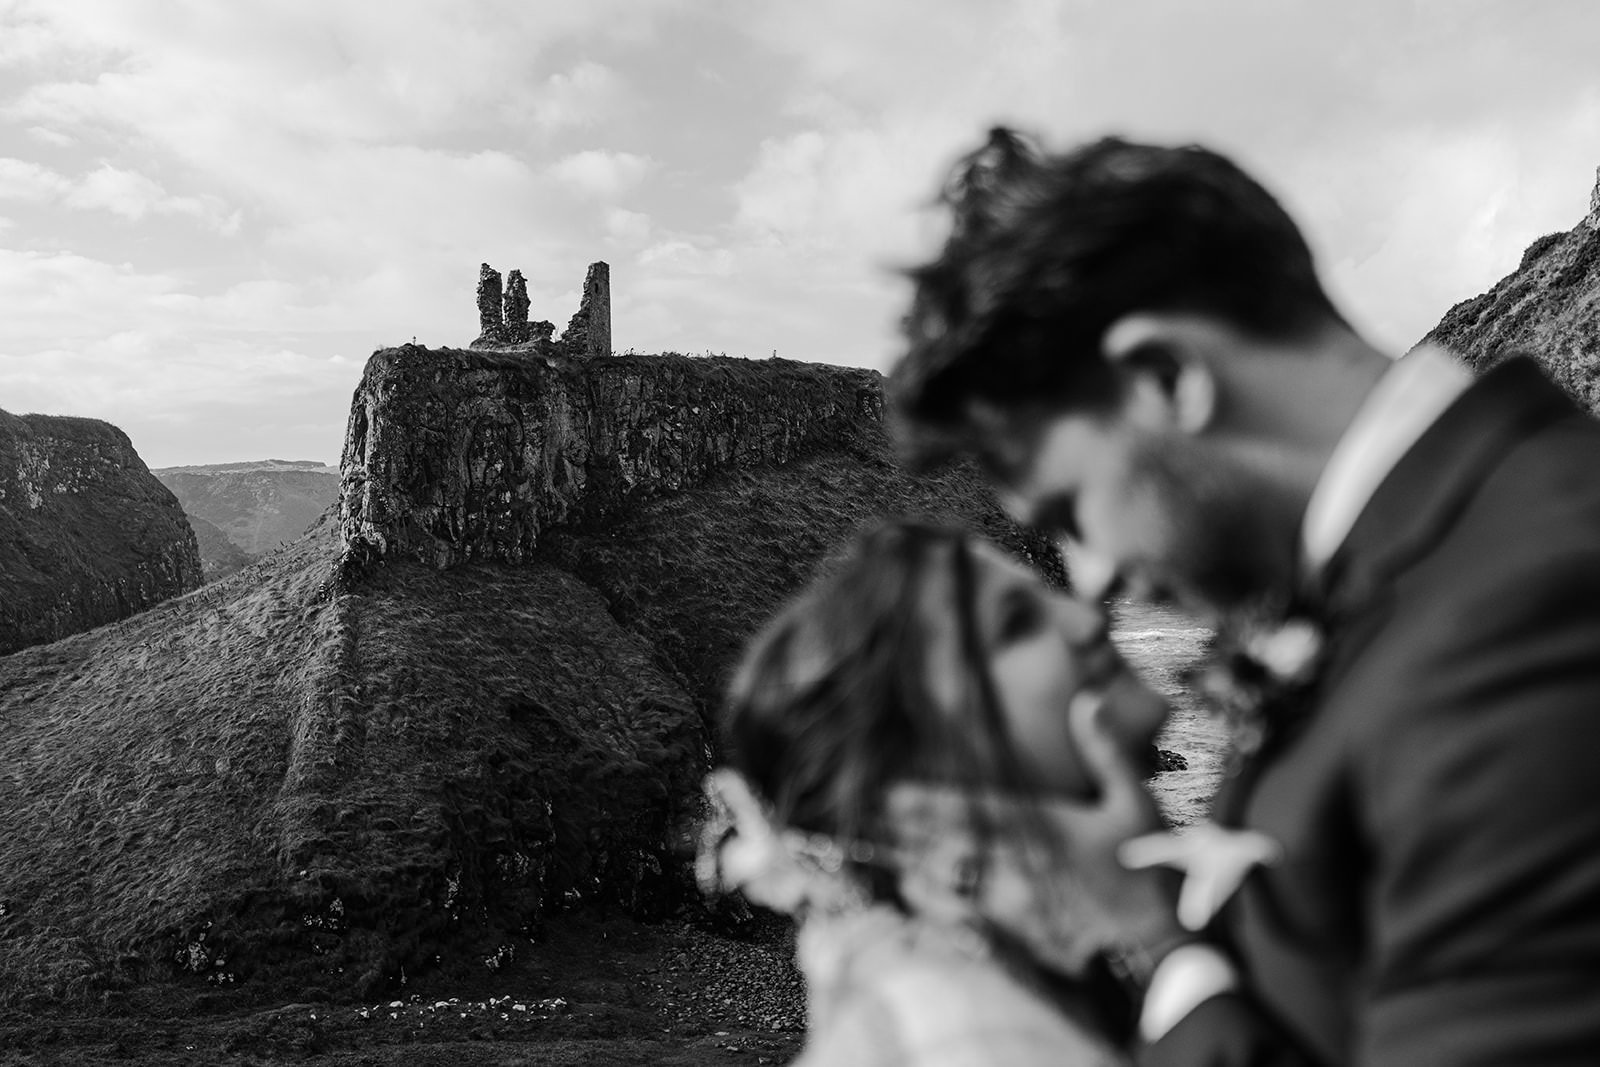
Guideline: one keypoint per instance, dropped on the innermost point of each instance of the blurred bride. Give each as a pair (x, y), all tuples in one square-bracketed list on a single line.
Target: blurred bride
[(927, 657)]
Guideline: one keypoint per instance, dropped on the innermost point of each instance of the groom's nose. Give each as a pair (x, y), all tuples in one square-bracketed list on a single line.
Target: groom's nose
[(1093, 575)]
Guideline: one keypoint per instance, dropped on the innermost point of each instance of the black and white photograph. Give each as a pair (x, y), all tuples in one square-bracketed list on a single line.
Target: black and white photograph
[(847, 534)]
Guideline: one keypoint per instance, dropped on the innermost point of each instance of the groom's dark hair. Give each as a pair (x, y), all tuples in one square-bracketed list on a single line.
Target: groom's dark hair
[(1046, 251)]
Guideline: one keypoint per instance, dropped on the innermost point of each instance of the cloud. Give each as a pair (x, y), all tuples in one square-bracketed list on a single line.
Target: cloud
[(627, 227), (681, 257), (29, 182), (1419, 185), (289, 114), (601, 174), (232, 401), (327, 67), (25, 41), (573, 97), (133, 196), (50, 137), (316, 123), (1430, 217), (749, 169), (122, 192), (148, 353), (349, 210)]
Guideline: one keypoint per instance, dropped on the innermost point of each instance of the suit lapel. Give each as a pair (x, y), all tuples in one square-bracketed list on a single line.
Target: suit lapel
[(1426, 491)]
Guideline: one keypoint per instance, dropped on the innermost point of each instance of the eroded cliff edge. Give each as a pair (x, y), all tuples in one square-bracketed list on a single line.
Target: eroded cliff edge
[(87, 534), (455, 455)]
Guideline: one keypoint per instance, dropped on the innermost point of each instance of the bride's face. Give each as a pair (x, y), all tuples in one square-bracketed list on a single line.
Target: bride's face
[(1043, 649)]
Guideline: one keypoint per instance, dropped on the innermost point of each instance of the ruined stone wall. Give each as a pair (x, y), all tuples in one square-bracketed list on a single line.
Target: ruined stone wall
[(456, 455), (516, 308), (87, 533), (491, 321), (589, 332), (503, 316)]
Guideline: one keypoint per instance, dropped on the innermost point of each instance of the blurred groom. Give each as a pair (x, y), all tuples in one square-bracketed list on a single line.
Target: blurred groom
[(1133, 341)]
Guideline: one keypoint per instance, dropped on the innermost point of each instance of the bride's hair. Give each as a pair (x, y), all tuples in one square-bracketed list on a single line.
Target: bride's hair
[(832, 702)]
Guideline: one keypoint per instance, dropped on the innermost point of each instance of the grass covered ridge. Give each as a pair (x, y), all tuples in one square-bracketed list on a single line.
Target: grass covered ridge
[(273, 776)]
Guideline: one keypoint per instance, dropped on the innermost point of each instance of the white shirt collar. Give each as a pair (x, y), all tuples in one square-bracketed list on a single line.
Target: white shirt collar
[(1407, 400)]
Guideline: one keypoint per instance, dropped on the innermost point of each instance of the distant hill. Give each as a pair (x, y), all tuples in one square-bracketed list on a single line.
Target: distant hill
[(87, 536), (475, 695), (1548, 307), (256, 506)]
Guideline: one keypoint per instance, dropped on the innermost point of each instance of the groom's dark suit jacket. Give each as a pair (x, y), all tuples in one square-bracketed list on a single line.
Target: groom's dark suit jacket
[(1439, 802)]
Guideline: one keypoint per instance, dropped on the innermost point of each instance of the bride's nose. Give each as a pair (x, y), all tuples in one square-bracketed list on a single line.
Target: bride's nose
[(1086, 630), (1094, 575)]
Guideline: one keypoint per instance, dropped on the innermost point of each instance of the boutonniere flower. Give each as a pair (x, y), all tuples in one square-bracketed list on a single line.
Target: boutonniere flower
[(1289, 652), (1258, 672)]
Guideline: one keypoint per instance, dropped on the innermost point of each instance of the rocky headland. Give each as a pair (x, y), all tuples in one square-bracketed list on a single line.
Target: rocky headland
[(475, 696), (454, 455), (87, 535)]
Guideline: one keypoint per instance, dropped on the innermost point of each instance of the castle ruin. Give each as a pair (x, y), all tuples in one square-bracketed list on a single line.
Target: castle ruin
[(503, 310)]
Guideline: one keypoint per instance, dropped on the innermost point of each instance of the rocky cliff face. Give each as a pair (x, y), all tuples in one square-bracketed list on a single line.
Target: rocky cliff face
[(1548, 307), (87, 535), (458, 455)]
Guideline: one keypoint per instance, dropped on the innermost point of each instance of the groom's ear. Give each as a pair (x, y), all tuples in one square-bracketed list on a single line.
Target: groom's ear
[(1161, 360)]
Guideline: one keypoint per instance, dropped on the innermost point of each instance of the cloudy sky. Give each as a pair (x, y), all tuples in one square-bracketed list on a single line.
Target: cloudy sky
[(212, 213)]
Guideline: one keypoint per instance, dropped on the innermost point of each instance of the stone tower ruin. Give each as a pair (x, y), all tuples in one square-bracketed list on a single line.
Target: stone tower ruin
[(503, 315), (516, 304), (589, 332), (491, 324)]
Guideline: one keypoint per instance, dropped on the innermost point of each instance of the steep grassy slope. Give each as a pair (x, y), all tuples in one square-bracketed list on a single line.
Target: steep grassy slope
[(277, 777), (1548, 307), (697, 573)]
